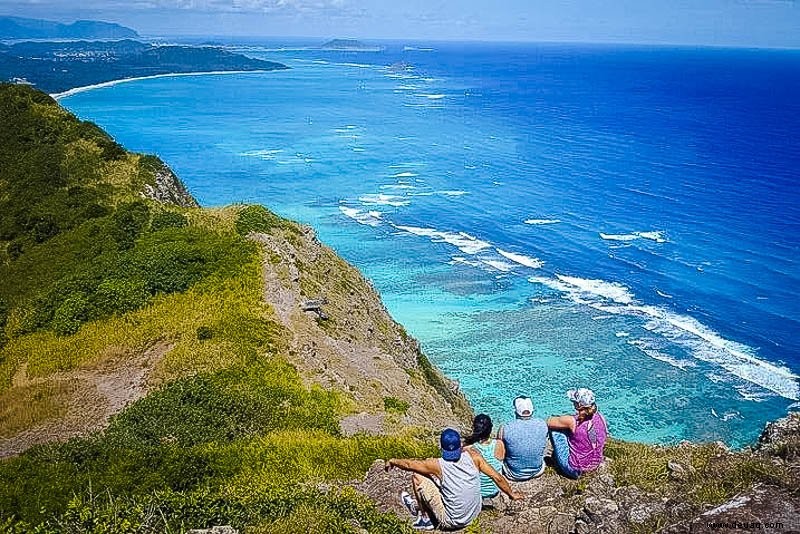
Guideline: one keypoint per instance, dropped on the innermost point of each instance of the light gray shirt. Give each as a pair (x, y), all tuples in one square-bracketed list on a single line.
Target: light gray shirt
[(461, 491)]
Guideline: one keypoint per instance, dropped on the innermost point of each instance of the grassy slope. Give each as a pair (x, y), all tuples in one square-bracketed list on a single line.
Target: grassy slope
[(92, 277)]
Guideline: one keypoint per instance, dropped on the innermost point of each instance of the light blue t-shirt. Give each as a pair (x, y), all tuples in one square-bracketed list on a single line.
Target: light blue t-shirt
[(525, 440)]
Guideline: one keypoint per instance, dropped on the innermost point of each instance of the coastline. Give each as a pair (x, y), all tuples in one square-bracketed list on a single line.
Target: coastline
[(84, 88)]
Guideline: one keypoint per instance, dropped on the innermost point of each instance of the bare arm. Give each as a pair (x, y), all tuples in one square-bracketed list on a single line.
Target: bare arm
[(498, 479), (427, 467), (562, 422), (500, 450)]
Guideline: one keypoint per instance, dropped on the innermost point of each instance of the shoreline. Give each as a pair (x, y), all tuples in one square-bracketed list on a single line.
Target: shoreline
[(114, 82), (110, 83)]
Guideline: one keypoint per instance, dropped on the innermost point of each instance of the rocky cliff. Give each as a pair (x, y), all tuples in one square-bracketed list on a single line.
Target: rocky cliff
[(688, 488), (166, 187), (343, 338)]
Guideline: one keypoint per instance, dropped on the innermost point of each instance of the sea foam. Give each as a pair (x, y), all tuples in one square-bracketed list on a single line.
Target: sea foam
[(384, 199), (650, 351), (368, 218), (464, 242), (538, 222), (656, 236), (262, 154), (702, 342), (527, 261)]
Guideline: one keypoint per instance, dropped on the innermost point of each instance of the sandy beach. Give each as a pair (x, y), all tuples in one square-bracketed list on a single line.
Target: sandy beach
[(85, 88)]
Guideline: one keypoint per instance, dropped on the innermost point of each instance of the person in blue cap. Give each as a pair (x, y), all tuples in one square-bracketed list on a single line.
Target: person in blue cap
[(447, 490)]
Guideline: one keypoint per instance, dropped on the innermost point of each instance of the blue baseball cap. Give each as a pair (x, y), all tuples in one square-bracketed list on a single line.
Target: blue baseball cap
[(450, 442)]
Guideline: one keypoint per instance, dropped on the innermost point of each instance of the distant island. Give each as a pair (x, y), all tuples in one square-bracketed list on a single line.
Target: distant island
[(22, 28), (352, 45), (55, 67)]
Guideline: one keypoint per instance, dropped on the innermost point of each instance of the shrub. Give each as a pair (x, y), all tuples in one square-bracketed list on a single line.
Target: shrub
[(168, 219), (174, 259), (70, 314), (257, 219), (393, 404), (118, 295), (129, 221), (223, 406), (204, 332)]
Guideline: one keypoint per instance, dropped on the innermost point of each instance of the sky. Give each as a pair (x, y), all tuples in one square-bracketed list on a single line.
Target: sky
[(749, 23)]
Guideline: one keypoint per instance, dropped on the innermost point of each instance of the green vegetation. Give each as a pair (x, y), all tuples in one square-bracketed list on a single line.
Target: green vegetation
[(242, 445), (711, 474), (96, 279), (393, 404)]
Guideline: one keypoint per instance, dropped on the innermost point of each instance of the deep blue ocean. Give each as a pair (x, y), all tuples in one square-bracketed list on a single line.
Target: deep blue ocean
[(539, 216)]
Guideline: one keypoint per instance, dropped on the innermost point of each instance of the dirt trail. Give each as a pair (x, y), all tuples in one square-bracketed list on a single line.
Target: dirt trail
[(93, 395)]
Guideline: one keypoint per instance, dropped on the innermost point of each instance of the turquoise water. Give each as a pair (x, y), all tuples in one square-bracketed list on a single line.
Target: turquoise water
[(540, 217)]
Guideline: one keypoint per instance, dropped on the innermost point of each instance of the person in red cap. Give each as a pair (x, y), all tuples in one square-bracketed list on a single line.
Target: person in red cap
[(447, 490)]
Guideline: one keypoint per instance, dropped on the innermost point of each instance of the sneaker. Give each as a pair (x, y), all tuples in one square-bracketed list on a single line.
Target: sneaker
[(409, 502), (422, 523)]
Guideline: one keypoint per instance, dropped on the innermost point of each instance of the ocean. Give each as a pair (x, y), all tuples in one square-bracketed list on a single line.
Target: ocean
[(539, 216)]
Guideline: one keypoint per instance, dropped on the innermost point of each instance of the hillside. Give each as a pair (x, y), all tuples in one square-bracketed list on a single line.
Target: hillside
[(155, 355), (166, 367), (24, 28), (58, 66)]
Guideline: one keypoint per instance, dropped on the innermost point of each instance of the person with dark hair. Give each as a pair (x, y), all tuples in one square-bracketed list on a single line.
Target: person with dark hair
[(492, 450), (524, 440), (447, 490), (578, 439)]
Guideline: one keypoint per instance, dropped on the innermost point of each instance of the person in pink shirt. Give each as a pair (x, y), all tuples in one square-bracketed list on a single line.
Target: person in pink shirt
[(578, 439)]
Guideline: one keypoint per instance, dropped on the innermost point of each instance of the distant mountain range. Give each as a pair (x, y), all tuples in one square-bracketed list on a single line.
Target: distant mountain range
[(22, 28)]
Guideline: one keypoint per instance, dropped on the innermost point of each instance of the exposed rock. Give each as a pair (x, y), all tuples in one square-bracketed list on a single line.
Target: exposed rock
[(560, 524), (364, 423), (168, 188), (358, 349), (597, 508), (384, 487), (678, 471), (642, 512), (781, 438), (762, 509)]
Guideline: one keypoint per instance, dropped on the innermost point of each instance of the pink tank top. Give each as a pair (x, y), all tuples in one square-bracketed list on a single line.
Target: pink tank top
[(587, 442)]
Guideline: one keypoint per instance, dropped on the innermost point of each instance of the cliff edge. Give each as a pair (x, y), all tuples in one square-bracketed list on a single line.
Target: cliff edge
[(690, 488)]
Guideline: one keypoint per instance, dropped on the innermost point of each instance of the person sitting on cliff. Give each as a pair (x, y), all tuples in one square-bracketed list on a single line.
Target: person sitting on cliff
[(524, 441), (578, 439), (448, 489), (492, 450)]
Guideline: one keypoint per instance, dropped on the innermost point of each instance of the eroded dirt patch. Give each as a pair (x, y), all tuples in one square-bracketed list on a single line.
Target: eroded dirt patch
[(74, 402)]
